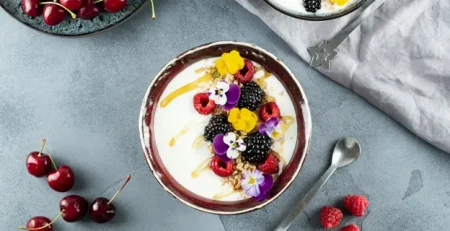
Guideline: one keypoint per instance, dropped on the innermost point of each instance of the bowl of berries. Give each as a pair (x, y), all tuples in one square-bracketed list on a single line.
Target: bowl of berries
[(72, 17), (225, 127), (316, 10)]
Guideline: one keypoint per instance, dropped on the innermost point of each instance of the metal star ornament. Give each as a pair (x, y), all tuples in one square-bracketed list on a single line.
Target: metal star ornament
[(321, 55)]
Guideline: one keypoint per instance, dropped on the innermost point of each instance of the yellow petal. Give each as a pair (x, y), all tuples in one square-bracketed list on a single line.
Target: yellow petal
[(341, 2), (239, 125), (234, 115), (221, 66), (227, 57), (233, 68), (246, 114), (250, 125), (254, 117)]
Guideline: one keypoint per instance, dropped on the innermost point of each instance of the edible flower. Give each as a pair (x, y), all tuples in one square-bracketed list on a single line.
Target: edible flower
[(228, 144), (271, 129), (224, 94), (242, 119), (340, 2), (230, 63), (256, 184)]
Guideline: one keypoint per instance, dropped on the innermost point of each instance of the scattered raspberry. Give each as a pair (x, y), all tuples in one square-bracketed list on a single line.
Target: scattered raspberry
[(270, 165), (268, 111), (220, 167), (245, 74), (203, 104), (330, 217), (351, 227), (356, 204)]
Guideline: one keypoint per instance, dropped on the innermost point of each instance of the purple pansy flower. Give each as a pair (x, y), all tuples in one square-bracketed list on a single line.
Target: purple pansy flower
[(226, 95), (270, 128), (228, 144), (256, 184)]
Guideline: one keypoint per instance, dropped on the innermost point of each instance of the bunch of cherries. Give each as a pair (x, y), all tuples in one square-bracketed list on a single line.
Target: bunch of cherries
[(54, 12), (72, 207)]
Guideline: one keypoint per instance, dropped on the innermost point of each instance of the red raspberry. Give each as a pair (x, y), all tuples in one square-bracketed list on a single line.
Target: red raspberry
[(220, 167), (351, 227), (245, 74), (330, 217), (270, 165), (356, 204), (203, 104), (268, 111)]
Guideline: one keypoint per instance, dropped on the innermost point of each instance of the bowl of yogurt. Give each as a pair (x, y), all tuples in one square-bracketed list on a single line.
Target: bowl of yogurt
[(316, 10), (225, 127)]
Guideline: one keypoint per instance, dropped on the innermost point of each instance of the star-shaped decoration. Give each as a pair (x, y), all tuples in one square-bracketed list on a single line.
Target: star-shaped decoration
[(321, 55)]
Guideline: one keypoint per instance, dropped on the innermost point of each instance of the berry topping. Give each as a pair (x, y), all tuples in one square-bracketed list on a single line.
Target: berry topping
[(356, 204), (218, 124), (251, 96), (258, 146), (351, 227), (270, 165), (245, 74), (203, 104), (330, 217), (220, 167), (312, 5), (269, 110)]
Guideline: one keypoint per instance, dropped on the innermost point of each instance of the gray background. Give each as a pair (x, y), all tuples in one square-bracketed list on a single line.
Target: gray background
[(84, 95)]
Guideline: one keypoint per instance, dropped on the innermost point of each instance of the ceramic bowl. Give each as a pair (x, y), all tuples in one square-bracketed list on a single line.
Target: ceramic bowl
[(291, 11), (170, 71)]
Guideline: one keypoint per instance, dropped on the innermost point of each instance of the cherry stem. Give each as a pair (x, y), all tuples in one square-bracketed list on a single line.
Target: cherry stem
[(42, 147), (153, 9), (45, 226), (121, 188), (49, 155), (98, 1), (72, 14)]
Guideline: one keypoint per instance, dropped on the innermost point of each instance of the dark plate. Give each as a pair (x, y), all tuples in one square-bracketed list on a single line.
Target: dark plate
[(170, 71), (72, 27), (315, 17)]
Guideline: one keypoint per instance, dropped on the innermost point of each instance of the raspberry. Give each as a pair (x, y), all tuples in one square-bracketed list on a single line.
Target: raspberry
[(351, 227), (330, 217), (220, 167), (258, 146), (245, 74), (312, 5), (270, 165), (218, 124), (203, 104), (268, 111), (251, 96), (356, 204)]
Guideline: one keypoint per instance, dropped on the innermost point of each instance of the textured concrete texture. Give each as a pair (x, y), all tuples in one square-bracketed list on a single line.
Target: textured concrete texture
[(84, 95)]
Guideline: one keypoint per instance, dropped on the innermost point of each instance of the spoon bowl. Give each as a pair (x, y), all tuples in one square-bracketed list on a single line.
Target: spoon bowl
[(345, 152)]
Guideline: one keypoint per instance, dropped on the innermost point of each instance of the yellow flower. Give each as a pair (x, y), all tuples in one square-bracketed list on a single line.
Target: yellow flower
[(242, 120), (341, 2), (230, 63)]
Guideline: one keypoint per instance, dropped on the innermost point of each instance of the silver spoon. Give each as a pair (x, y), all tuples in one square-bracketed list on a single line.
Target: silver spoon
[(345, 152)]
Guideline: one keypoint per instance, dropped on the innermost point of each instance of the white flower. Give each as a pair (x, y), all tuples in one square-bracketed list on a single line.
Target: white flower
[(234, 145), (217, 94), (251, 180)]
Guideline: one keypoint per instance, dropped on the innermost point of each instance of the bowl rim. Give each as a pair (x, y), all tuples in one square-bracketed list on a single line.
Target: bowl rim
[(315, 18), (307, 123)]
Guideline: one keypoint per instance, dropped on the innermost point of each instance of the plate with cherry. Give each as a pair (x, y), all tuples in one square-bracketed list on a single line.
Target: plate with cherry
[(72, 17)]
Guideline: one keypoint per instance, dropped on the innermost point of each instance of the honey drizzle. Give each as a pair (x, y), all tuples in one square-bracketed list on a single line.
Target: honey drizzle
[(178, 135), (224, 194), (203, 166), (198, 142), (184, 89)]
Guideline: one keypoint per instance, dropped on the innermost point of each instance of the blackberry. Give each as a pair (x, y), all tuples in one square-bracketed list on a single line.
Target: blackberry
[(218, 124), (312, 5), (258, 146), (251, 96)]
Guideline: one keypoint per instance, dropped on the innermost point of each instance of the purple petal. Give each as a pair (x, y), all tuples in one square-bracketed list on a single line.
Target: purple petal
[(265, 187), (230, 106), (253, 191), (263, 129), (224, 158), (262, 196), (219, 146), (233, 94), (272, 122)]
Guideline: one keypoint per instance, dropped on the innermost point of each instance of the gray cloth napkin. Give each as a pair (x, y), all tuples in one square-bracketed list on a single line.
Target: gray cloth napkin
[(398, 59)]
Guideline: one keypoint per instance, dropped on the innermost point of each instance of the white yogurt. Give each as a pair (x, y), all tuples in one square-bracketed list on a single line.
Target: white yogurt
[(182, 159), (326, 9)]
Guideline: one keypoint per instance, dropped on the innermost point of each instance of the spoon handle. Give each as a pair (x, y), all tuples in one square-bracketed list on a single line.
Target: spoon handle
[(301, 205)]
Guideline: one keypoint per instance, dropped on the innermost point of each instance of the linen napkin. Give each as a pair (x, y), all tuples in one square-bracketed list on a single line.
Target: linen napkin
[(398, 59)]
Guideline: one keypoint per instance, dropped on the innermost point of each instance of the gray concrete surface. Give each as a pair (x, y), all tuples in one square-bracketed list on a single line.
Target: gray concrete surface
[(84, 95)]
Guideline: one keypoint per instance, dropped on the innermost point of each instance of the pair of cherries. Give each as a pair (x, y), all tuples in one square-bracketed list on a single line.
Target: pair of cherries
[(54, 12), (72, 207)]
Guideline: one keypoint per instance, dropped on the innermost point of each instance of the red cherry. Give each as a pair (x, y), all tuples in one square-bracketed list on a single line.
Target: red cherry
[(53, 14), (113, 6), (71, 4), (38, 164), (61, 180), (88, 10), (74, 207), (38, 222), (31, 7)]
